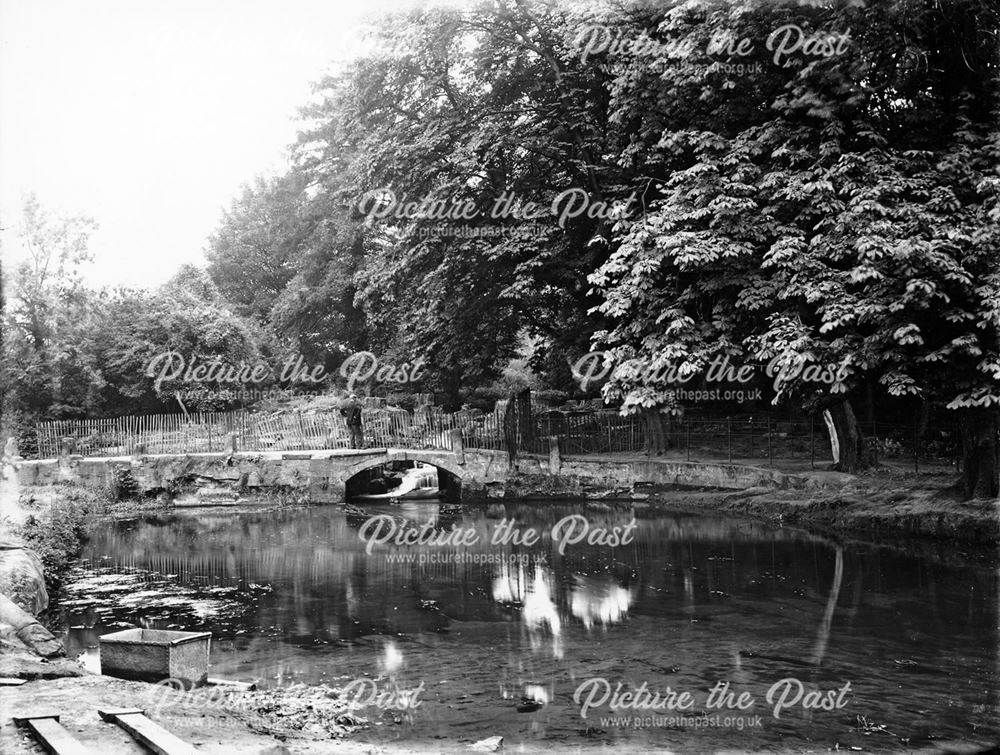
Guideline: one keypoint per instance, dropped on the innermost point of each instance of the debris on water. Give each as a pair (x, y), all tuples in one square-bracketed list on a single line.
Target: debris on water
[(868, 726), (129, 599)]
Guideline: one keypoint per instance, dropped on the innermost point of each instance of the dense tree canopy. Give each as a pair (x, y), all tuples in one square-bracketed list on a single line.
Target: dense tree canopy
[(807, 182)]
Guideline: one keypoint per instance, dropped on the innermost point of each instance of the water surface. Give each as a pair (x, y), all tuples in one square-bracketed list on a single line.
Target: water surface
[(502, 637)]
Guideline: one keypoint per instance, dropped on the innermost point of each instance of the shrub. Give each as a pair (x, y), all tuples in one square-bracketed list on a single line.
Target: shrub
[(55, 537), (122, 485)]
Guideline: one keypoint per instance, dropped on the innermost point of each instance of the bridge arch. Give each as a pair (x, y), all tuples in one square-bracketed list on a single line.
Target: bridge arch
[(445, 461)]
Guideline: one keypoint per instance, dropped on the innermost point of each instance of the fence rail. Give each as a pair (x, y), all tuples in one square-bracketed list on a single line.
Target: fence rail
[(743, 439), (279, 431)]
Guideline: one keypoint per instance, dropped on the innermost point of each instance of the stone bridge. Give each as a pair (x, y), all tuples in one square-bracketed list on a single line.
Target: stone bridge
[(322, 475)]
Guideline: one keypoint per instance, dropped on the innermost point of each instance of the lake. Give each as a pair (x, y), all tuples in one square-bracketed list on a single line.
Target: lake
[(694, 632)]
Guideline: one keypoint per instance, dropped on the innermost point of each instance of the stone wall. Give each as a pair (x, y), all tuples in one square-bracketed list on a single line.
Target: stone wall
[(322, 475)]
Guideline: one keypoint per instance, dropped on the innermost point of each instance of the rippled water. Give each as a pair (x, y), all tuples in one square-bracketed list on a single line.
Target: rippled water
[(503, 638)]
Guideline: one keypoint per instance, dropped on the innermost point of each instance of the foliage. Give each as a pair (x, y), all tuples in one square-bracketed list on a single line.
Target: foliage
[(57, 534), (122, 485), (835, 227), (73, 352), (838, 207)]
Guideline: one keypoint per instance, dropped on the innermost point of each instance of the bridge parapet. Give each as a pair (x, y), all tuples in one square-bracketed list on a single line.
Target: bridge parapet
[(323, 474)]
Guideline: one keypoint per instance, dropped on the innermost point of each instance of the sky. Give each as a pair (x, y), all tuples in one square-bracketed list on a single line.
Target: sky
[(150, 116)]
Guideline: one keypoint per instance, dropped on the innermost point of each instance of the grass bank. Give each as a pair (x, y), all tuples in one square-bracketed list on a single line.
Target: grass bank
[(57, 518)]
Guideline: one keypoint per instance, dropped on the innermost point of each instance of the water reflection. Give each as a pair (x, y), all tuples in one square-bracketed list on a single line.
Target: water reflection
[(534, 595), (505, 633), (599, 600)]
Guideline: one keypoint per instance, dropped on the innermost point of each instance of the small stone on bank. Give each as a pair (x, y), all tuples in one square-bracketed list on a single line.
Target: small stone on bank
[(490, 744)]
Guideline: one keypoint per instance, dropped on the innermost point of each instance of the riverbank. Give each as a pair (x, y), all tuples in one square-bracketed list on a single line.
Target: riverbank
[(883, 504), (261, 725), (878, 508)]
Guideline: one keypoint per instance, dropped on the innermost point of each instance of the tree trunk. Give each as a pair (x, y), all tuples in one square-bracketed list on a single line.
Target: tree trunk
[(980, 463), (656, 432), (854, 453), (925, 418), (453, 391), (525, 422)]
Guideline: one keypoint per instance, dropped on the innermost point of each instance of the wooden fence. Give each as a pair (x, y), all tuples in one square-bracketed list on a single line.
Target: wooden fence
[(280, 431), (753, 440)]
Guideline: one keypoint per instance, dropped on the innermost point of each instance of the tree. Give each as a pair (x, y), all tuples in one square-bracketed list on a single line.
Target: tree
[(253, 252), (470, 107), (49, 367), (827, 230), (186, 315)]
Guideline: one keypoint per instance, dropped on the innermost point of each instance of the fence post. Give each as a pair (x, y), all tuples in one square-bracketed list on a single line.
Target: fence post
[(302, 430), (958, 448), (812, 441), (751, 440), (729, 437), (457, 445), (555, 457), (916, 450), (875, 436), (687, 438), (770, 455)]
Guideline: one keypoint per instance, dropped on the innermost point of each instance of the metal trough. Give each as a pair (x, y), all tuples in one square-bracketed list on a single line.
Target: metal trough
[(152, 655)]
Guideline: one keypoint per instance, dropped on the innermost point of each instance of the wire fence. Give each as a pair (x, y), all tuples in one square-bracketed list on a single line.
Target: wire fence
[(753, 440)]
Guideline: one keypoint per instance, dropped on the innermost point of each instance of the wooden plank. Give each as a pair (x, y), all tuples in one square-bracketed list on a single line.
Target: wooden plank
[(52, 735), (8, 681), (147, 732)]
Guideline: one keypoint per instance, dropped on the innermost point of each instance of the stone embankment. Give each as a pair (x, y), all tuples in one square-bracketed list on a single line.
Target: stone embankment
[(22, 579)]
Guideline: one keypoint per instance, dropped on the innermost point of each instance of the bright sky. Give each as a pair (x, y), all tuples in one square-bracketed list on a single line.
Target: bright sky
[(149, 116)]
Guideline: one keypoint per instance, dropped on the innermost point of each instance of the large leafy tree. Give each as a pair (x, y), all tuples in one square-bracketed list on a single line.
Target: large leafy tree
[(187, 315), (252, 253), (49, 365), (470, 106), (71, 352), (837, 204), (853, 223)]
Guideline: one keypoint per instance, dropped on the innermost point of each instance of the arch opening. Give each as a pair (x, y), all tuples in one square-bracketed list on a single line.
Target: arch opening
[(403, 480)]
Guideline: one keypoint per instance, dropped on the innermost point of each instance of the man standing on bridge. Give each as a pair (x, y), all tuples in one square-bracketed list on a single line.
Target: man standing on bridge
[(352, 415)]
